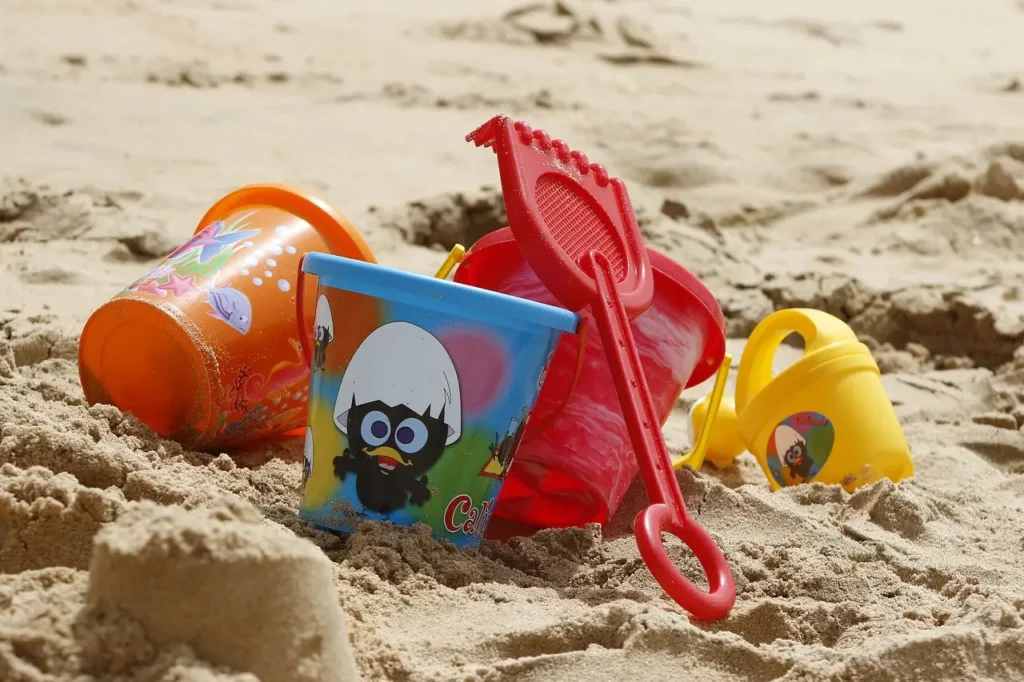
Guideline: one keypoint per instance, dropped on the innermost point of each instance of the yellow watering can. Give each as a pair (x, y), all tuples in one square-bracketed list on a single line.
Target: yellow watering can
[(825, 418)]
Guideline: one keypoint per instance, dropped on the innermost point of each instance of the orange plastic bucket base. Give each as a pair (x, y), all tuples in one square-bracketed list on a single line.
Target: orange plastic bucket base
[(149, 365)]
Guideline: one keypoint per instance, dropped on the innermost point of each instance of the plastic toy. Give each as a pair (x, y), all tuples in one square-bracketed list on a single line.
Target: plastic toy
[(575, 462), (576, 228), (420, 392), (722, 442), (825, 418), (455, 257), (710, 413), (202, 348)]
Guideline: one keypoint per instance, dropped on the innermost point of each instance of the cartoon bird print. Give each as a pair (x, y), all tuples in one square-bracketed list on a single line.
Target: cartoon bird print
[(502, 449), (399, 406), (791, 448), (501, 455)]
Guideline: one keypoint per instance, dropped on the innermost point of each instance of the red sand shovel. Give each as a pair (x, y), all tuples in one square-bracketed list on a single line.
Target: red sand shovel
[(576, 228)]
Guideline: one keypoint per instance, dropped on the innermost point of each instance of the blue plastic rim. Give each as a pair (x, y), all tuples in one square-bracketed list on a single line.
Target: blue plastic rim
[(441, 295)]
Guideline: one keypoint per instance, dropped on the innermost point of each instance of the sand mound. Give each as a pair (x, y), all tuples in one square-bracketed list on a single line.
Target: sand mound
[(211, 594), (250, 597), (48, 633)]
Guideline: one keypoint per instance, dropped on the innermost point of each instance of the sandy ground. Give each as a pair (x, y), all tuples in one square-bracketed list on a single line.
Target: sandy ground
[(865, 158)]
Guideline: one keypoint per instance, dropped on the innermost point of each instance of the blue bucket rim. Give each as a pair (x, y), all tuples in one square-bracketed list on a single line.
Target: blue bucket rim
[(462, 300)]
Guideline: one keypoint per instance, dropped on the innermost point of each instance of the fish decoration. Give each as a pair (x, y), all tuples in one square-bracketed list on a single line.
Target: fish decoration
[(227, 304), (230, 306)]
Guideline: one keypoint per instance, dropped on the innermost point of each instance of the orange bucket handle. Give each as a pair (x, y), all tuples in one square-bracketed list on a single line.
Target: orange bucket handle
[(305, 335), (341, 237)]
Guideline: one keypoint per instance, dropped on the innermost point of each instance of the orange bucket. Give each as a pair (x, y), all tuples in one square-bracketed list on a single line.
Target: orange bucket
[(202, 349)]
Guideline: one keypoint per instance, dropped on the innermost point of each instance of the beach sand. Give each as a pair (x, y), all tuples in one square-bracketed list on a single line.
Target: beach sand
[(863, 158)]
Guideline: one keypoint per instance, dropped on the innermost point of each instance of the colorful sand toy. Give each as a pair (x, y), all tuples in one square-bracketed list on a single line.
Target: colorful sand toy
[(202, 349), (826, 418), (419, 395)]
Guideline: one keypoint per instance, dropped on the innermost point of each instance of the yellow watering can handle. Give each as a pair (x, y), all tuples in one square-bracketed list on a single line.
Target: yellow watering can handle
[(453, 259), (695, 457), (819, 329)]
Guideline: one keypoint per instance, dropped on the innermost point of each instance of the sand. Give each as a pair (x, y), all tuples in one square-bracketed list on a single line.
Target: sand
[(864, 158)]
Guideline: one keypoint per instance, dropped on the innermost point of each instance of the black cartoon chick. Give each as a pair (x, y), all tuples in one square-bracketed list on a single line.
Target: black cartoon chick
[(792, 450), (399, 406)]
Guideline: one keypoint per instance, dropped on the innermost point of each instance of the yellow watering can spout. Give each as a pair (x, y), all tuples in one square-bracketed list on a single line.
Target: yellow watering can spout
[(725, 443)]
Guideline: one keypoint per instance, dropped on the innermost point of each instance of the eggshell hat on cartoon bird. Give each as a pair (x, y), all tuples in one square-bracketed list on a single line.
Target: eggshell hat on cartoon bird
[(402, 364), (785, 438)]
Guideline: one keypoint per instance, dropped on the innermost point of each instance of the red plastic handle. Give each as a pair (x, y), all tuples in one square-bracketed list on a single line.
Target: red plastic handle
[(668, 509), (721, 595), (305, 335)]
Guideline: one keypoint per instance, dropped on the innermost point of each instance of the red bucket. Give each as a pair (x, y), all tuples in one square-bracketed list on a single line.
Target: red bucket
[(575, 461)]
